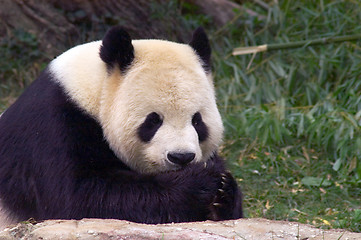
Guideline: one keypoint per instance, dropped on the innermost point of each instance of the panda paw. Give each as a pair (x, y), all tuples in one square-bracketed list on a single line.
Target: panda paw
[(227, 202)]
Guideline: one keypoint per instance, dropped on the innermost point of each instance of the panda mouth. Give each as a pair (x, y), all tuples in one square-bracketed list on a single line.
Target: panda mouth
[(174, 167), (170, 166)]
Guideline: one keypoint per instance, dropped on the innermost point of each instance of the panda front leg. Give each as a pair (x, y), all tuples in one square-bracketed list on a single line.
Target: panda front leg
[(216, 184), (195, 193)]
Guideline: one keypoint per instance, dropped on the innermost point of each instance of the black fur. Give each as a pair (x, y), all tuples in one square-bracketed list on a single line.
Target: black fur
[(149, 127), (200, 126), (117, 48), (200, 44), (153, 122)]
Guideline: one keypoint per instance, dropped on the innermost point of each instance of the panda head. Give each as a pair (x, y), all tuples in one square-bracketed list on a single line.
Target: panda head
[(157, 106)]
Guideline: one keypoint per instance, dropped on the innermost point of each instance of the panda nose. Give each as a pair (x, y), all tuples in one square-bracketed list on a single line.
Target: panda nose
[(181, 158)]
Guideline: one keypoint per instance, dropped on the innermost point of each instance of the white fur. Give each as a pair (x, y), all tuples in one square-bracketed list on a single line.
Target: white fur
[(166, 78), (82, 73)]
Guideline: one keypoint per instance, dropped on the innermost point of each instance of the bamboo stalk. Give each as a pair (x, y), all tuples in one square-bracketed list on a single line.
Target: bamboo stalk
[(305, 43)]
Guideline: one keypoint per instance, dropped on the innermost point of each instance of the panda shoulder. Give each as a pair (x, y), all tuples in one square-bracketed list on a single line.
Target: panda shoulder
[(76, 59), (80, 72)]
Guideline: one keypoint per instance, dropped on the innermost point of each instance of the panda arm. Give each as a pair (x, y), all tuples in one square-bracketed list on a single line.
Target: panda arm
[(180, 196)]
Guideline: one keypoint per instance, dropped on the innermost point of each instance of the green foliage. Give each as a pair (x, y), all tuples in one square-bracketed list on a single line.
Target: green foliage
[(19, 64), (177, 12), (293, 118)]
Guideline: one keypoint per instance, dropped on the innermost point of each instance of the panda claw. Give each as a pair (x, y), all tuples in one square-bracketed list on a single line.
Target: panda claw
[(221, 190), (216, 204)]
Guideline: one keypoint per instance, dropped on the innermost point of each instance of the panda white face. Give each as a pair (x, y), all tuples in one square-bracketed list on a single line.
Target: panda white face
[(163, 113), (154, 99)]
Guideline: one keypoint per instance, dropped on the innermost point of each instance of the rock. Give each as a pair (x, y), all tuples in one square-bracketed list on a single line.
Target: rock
[(117, 229)]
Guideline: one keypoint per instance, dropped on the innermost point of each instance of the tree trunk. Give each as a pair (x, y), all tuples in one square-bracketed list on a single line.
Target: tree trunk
[(61, 24)]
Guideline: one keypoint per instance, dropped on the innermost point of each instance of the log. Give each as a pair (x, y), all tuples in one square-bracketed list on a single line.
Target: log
[(253, 228)]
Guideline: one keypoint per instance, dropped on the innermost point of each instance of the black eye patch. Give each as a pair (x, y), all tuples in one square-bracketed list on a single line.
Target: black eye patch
[(200, 127), (149, 127)]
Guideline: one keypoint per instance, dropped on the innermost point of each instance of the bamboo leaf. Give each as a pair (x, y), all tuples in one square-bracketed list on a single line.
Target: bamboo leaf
[(337, 165), (315, 182)]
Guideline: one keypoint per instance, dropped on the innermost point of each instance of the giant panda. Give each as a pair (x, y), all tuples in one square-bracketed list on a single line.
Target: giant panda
[(118, 128)]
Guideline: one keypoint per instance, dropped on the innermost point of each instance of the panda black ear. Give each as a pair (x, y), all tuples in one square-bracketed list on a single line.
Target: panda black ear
[(200, 44), (117, 48)]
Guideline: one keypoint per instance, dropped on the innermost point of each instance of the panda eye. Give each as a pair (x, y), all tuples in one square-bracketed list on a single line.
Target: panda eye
[(149, 127), (197, 119), (200, 127), (154, 118)]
